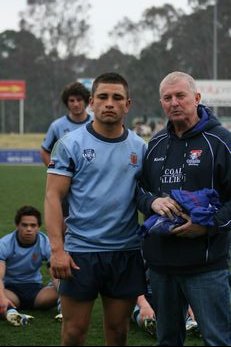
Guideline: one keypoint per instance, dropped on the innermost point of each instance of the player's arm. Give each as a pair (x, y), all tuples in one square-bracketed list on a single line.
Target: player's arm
[(4, 301), (48, 143), (55, 282), (45, 156), (56, 189)]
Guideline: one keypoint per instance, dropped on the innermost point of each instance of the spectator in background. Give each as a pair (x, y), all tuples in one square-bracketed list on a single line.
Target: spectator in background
[(141, 128), (152, 125), (156, 126), (22, 253), (159, 125)]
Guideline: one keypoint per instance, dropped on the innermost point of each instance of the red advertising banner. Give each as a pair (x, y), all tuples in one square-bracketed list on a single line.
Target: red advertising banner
[(12, 90)]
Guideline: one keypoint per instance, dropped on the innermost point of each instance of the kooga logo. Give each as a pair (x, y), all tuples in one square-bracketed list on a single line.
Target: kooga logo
[(159, 159)]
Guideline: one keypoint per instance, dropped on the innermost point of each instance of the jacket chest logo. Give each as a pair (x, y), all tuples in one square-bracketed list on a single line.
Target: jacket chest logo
[(194, 157)]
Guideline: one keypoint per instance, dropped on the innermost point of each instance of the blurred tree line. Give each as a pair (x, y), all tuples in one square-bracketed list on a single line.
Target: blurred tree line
[(52, 46)]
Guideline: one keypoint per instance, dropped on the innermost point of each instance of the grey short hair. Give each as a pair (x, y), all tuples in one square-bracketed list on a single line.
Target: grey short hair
[(172, 77)]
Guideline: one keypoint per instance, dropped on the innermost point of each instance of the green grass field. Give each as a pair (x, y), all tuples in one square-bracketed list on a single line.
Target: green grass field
[(21, 185)]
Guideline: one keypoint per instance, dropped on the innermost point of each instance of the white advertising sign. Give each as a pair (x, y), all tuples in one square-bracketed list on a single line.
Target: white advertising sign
[(215, 93)]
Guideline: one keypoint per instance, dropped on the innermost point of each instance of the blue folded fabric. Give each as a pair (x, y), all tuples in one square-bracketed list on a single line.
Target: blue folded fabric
[(159, 225), (200, 205)]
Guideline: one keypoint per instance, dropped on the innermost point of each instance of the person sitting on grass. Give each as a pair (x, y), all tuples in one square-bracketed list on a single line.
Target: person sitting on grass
[(22, 253), (144, 315)]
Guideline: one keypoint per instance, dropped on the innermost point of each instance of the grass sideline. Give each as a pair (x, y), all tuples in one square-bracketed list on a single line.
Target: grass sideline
[(21, 185), (21, 141)]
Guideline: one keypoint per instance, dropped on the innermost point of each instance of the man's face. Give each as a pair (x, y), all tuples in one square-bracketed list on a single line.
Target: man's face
[(76, 105), (28, 229), (110, 103), (179, 102)]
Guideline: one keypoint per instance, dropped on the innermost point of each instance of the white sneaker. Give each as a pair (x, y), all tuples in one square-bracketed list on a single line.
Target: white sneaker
[(59, 317), (17, 319), (28, 317), (150, 326), (191, 324)]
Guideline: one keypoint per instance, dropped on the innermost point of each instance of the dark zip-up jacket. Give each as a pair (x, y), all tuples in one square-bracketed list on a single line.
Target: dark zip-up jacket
[(201, 158)]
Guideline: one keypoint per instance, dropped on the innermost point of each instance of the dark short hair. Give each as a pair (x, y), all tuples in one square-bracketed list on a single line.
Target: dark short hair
[(110, 77), (77, 89), (28, 211)]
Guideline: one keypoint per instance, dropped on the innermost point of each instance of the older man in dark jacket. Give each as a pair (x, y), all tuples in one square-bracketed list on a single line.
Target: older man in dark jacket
[(190, 265)]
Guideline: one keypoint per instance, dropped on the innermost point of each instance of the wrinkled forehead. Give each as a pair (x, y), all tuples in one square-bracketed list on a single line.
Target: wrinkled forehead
[(174, 86)]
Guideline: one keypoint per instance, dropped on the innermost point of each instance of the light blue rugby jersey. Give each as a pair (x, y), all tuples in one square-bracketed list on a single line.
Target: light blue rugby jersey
[(23, 263), (102, 206), (59, 128)]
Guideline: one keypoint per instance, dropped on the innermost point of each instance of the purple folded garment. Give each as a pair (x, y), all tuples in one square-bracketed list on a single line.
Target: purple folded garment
[(159, 225), (200, 205)]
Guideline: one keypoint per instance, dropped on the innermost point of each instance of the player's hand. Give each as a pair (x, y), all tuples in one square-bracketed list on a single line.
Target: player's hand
[(146, 312), (62, 265), (4, 304)]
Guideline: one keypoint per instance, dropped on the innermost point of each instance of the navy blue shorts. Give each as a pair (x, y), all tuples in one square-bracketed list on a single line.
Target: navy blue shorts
[(26, 292), (119, 275)]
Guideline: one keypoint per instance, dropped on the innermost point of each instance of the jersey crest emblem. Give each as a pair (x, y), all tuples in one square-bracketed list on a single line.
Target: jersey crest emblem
[(89, 154), (34, 257), (65, 131), (133, 158)]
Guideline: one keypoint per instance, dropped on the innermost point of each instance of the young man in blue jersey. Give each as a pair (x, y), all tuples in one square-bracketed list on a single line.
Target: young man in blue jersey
[(75, 96), (97, 167), (22, 253)]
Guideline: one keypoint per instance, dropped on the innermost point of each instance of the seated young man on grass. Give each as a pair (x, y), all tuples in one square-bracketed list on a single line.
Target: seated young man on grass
[(22, 253)]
